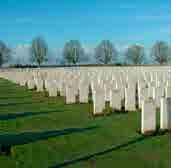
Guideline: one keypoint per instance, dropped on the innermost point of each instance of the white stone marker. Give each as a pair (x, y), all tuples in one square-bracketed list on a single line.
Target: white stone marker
[(150, 92), (130, 104), (148, 117), (31, 83), (107, 89), (165, 113), (83, 93), (143, 95), (168, 91), (70, 95), (158, 93), (115, 99), (52, 90), (98, 101), (39, 85)]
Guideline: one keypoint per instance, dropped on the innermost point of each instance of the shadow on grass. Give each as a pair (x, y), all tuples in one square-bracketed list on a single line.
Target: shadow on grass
[(103, 152), (29, 137), (15, 97), (22, 103), (13, 116)]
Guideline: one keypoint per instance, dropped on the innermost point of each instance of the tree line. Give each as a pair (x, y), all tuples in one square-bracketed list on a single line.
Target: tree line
[(104, 53)]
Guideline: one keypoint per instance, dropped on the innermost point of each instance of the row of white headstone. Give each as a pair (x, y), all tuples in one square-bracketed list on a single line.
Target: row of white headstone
[(147, 88), (113, 84), (148, 115)]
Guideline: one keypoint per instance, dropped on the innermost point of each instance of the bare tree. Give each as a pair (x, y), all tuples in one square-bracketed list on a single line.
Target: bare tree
[(160, 52), (73, 52), (135, 54), (39, 50), (105, 52), (4, 53)]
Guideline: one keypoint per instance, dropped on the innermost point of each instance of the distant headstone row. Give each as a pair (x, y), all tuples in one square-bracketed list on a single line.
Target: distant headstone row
[(125, 88)]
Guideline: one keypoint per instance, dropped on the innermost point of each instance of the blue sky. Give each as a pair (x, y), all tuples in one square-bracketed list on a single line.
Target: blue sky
[(123, 22)]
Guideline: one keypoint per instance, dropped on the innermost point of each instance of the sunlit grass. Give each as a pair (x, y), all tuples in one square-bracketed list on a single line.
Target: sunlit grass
[(54, 115)]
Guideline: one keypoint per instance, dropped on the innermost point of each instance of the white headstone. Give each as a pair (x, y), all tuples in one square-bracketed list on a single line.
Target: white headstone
[(148, 117), (168, 91), (83, 92), (115, 99), (98, 101), (70, 95), (165, 113), (130, 104), (158, 93)]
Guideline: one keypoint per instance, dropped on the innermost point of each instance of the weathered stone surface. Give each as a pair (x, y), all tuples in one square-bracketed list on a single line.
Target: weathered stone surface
[(158, 93), (168, 91), (83, 92), (98, 101), (148, 116), (130, 104), (165, 113), (115, 99), (70, 95)]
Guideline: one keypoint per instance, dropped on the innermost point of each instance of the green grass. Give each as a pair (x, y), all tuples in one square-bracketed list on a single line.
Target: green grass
[(51, 114)]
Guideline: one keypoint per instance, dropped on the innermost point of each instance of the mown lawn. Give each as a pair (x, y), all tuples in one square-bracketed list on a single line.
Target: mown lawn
[(44, 132)]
